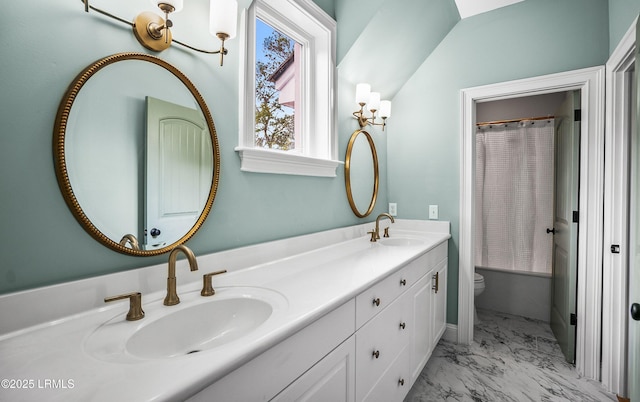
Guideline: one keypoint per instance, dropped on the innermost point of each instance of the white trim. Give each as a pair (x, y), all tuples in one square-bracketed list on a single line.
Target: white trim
[(616, 215), (450, 333), (590, 82), (279, 162), (309, 25)]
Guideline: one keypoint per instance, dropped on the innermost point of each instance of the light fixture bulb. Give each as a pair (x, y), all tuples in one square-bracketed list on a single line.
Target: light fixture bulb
[(223, 18), (362, 93), (176, 4), (385, 109), (374, 101)]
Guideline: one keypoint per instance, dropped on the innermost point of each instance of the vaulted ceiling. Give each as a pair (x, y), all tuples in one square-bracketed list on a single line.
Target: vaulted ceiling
[(468, 8), (383, 42)]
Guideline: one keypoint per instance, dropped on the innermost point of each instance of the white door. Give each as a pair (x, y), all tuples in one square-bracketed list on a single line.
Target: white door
[(565, 230), (178, 174)]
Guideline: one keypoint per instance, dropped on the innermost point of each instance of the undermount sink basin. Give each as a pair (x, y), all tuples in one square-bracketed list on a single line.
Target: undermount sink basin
[(401, 241), (200, 327), (196, 324)]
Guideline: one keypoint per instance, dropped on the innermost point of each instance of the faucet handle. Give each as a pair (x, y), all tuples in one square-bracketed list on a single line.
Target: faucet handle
[(374, 236), (207, 286), (386, 232), (135, 304)]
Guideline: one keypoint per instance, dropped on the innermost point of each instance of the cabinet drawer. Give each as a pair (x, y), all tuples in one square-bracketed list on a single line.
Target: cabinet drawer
[(373, 300), (395, 383), (376, 298), (379, 342)]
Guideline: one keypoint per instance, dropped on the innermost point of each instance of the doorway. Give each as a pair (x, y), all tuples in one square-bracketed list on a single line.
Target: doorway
[(527, 172), (590, 82)]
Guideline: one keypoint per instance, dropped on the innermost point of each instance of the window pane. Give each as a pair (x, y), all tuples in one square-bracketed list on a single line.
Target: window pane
[(277, 88)]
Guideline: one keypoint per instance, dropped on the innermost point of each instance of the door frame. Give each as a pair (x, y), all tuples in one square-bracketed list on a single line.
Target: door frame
[(590, 81), (616, 218)]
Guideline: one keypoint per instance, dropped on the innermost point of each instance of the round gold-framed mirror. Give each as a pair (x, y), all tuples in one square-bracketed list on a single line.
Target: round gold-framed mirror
[(361, 173), (136, 154)]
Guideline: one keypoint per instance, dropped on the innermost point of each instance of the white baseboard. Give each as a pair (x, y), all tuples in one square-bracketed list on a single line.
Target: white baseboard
[(451, 333)]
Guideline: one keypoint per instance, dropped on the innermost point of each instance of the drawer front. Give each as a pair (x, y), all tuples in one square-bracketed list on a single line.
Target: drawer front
[(395, 383), (379, 342), (374, 300), (416, 269)]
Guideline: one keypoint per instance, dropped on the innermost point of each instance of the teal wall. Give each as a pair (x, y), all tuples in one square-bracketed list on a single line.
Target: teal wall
[(419, 152), (531, 38), (44, 45), (622, 13)]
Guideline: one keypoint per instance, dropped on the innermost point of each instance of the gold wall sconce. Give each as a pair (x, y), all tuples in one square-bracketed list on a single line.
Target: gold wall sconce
[(364, 97), (154, 32)]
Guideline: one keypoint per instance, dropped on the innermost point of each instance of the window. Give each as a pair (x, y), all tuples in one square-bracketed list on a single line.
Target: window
[(290, 129), (277, 89)]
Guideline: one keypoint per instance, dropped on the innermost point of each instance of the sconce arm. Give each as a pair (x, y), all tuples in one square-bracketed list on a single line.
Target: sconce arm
[(222, 51), (168, 24), (364, 121), (88, 7)]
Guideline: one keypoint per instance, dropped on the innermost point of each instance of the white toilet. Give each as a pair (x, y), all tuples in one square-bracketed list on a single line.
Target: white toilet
[(478, 288)]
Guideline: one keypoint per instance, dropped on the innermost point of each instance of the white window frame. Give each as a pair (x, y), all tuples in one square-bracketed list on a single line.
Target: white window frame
[(309, 25)]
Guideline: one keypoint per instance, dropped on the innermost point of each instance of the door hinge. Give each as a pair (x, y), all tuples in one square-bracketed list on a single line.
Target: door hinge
[(573, 319), (577, 115), (576, 216)]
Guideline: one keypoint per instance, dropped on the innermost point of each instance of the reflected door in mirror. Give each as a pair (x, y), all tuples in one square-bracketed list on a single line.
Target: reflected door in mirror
[(179, 170)]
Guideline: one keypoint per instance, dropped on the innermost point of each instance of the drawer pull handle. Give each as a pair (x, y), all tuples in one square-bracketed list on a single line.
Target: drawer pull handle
[(436, 285), (401, 382), (403, 282), (402, 325), (376, 301), (376, 353)]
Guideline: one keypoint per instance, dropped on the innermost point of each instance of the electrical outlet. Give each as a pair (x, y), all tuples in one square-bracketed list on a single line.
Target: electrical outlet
[(433, 212), (393, 209)]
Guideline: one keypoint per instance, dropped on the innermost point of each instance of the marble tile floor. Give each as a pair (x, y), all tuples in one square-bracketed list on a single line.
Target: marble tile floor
[(512, 358)]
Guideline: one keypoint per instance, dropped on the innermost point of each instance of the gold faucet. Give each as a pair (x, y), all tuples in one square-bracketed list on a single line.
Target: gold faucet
[(172, 296), (131, 239), (375, 235), (135, 304)]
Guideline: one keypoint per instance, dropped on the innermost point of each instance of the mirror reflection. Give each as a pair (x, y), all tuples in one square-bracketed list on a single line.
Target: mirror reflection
[(361, 173), (136, 155)]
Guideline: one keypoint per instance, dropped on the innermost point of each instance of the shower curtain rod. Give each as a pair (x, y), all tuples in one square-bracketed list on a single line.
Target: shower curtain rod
[(487, 123)]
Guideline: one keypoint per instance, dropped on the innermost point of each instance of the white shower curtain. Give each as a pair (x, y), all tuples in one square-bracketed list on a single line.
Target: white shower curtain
[(514, 195)]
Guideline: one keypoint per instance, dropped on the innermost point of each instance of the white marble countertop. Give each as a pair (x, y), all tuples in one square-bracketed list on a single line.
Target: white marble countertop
[(49, 358)]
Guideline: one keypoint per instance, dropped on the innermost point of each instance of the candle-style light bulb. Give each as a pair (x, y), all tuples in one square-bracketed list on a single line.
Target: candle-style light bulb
[(223, 18), (362, 93), (374, 101), (385, 109)]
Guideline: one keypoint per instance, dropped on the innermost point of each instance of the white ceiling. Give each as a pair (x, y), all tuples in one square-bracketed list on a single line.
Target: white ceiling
[(468, 8)]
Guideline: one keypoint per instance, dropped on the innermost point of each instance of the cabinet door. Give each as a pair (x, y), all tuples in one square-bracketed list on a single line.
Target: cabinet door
[(439, 302), (421, 331), (331, 379)]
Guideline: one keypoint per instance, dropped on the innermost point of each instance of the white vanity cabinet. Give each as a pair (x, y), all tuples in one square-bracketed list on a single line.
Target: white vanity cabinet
[(303, 367), (372, 348), (396, 342)]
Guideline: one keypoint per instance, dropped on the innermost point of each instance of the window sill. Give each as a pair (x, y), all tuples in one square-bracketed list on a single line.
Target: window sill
[(278, 162)]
